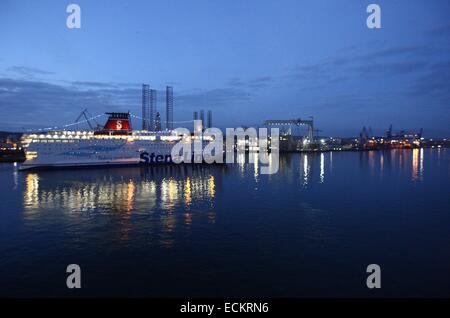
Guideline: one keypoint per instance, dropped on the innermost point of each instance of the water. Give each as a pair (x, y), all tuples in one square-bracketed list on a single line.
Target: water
[(308, 231)]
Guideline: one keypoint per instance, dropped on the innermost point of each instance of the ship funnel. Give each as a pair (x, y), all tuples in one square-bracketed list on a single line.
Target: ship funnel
[(118, 123)]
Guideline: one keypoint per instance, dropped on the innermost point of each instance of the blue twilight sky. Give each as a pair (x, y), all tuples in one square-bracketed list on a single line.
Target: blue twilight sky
[(246, 60)]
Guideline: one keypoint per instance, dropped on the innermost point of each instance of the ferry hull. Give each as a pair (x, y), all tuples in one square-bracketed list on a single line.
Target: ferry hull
[(49, 166), (115, 145)]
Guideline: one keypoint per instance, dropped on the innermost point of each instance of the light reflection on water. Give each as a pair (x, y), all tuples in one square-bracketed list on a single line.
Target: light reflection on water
[(142, 190), (322, 167), (123, 192), (129, 191), (220, 223)]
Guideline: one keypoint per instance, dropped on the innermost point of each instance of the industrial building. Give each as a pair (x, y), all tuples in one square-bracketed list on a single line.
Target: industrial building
[(145, 106), (208, 122), (169, 107), (148, 107), (158, 122), (202, 116), (151, 119)]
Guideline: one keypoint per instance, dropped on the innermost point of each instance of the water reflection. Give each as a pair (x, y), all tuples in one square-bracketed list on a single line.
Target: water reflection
[(179, 197), (421, 162), (172, 227), (31, 194), (322, 167), (306, 169), (256, 166), (15, 176), (308, 173), (376, 163), (187, 192), (171, 196), (381, 165), (404, 161), (417, 164)]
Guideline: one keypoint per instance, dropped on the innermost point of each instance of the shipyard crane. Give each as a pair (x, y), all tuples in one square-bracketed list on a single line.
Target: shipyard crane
[(317, 131), (293, 122), (88, 117)]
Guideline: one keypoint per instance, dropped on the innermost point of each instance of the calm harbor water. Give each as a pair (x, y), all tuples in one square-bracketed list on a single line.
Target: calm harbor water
[(308, 231)]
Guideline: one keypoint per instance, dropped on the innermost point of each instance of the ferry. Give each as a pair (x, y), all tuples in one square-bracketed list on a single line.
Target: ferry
[(114, 144)]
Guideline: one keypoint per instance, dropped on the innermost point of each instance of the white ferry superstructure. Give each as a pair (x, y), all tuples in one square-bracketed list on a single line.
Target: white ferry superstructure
[(115, 144)]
